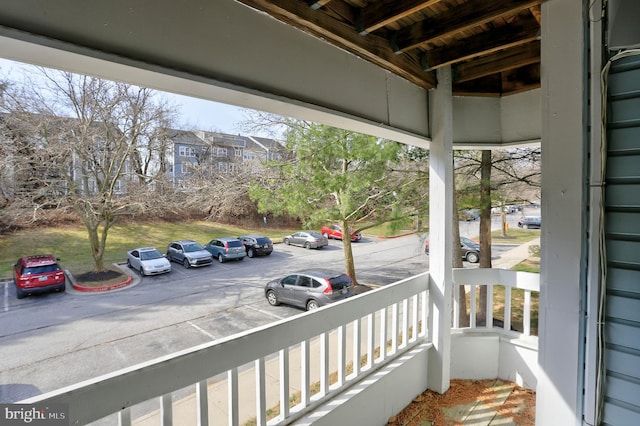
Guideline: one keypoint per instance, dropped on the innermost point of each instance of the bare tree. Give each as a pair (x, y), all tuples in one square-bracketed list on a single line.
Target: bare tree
[(89, 139)]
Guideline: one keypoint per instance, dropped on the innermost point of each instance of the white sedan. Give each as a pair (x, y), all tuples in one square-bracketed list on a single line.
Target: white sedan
[(148, 261)]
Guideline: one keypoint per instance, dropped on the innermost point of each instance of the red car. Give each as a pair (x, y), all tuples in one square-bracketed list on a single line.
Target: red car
[(335, 231), (37, 274)]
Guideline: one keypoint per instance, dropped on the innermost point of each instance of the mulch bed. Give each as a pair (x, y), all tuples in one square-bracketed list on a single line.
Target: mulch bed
[(429, 408)]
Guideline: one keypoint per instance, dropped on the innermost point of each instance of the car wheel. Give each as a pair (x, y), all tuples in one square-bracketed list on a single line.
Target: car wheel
[(525, 226), (141, 271), (326, 235), (61, 287), (272, 298), (473, 257), (312, 305), (307, 245), (250, 252), (169, 258), (20, 294), (220, 258), (286, 241), (128, 264), (185, 263)]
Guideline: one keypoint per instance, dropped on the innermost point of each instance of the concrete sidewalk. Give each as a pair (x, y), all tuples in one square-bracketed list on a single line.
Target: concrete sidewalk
[(514, 256)]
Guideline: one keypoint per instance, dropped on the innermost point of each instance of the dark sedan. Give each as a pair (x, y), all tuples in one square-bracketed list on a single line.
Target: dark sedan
[(256, 245)]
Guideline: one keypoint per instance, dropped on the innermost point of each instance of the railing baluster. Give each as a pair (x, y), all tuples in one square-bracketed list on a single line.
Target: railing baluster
[(405, 323), (124, 417), (526, 313), (284, 383), (394, 328), (383, 334), (425, 313), (202, 398), (414, 319), (489, 307), (342, 354), (305, 398), (232, 388), (261, 403), (324, 363), (166, 410), (371, 340), (456, 305), (356, 347), (507, 308), (472, 307)]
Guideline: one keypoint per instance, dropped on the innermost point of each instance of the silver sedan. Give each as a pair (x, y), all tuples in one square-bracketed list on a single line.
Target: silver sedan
[(306, 239), (148, 261)]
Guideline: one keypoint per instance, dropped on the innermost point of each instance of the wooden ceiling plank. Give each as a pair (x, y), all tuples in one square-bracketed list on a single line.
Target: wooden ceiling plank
[(457, 19), (503, 60), (372, 48), (482, 44), (317, 4), (379, 14)]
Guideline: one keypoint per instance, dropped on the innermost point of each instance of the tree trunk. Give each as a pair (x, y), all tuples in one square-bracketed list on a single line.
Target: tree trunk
[(349, 264), (485, 228)]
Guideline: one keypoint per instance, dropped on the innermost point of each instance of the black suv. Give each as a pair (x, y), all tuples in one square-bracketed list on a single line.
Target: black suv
[(530, 222), (257, 245)]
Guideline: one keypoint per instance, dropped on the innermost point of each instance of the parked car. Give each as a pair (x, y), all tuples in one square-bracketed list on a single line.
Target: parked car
[(256, 245), (335, 231), (306, 239), (189, 253), (309, 289), (470, 249), (148, 261), (468, 215), (37, 274), (530, 222), (226, 248)]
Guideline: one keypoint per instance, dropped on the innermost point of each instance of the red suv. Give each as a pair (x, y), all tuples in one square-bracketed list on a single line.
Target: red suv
[(37, 274)]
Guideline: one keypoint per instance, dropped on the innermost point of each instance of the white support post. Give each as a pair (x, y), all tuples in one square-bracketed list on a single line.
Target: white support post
[(441, 231)]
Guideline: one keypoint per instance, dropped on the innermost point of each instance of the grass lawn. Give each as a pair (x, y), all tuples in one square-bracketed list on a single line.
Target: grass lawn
[(515, 236), (70, 243)]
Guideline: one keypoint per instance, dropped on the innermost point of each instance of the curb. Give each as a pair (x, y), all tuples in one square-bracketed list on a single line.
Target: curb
[(100, 289), (397, 236)]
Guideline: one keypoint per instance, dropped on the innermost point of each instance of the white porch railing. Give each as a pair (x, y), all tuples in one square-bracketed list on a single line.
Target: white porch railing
[(373, 346), (491, 278), (301, 354)]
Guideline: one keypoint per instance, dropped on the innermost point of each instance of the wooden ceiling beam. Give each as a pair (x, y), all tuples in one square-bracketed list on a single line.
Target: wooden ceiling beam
[(372, 48), (382, 13), (501, 61), (481, 44), (455, 20)]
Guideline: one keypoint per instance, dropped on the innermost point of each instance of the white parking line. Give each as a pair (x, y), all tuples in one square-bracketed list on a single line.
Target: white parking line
[(265, 312), (6, 297), (203, 331)]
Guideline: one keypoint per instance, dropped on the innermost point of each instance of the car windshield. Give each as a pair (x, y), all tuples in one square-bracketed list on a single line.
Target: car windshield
[(150, 255), (340, 281), (190, 248), (468, 242), (41, 269)]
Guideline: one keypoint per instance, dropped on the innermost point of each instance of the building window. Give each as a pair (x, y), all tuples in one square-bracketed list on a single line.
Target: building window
[(232, 167), (221, 152), (223, 167), (238, 152), (186, 151)]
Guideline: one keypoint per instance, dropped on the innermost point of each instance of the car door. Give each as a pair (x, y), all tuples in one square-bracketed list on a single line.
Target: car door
[(302, 291), (177, 252), (135, 260), (298, 238), (287, 289)]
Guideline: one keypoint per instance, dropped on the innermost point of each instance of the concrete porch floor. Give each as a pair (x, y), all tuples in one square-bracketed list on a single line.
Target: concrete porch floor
[(471, 402)]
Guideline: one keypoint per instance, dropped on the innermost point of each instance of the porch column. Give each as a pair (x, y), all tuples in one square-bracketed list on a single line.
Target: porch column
[(560, 385), (440, 231)]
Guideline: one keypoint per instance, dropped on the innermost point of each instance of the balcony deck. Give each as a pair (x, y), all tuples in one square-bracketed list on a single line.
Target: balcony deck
[(471, 402)]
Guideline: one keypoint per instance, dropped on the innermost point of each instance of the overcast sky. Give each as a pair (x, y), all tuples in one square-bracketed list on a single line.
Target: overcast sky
[(196, 113)]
